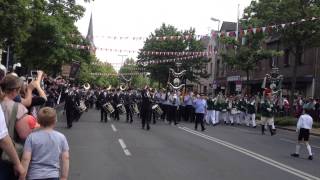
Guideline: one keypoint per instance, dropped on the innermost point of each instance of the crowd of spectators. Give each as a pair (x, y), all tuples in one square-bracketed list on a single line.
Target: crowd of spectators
[(27, 105)]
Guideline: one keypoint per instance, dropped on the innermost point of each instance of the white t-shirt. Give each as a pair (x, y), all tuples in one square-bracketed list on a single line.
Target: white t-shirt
[(305, 121), (3, 125)]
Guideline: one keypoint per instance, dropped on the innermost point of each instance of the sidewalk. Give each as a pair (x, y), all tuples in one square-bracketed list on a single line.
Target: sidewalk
[(314, 131)]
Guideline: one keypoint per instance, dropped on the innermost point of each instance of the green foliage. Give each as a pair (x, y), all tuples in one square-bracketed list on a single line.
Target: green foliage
[(138, 81), (39, 32), (159, 72), (86, 75)]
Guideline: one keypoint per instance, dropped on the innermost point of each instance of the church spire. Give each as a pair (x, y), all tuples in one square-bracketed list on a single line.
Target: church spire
[(89, 37)]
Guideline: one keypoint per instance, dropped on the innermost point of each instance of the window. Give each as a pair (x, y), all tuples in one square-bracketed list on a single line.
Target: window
[(286, 58)]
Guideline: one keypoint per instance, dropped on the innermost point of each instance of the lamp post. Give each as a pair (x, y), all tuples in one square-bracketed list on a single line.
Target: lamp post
[(216, 20)]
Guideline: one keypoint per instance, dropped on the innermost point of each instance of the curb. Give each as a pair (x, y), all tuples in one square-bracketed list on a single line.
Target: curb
[(289, 129)]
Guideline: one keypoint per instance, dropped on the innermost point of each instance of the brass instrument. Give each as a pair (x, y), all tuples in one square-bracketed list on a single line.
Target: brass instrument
[(108, 108), (122, 88), (86, 86), (109, 88), (121, 109)]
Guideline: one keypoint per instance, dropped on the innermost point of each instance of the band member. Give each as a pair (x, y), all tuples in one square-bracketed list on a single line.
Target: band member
[(224, 109), (232, 107), (200, 106), (251, 112), (304, 126), (116, 101), (173, 108), (102, 98), (128, 102), (146, 108), (211, 112), (267, 113), (189, 109), (70, 108)]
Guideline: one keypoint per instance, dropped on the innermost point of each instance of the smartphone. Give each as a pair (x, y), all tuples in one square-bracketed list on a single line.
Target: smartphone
[(34, 74), (29, 79)]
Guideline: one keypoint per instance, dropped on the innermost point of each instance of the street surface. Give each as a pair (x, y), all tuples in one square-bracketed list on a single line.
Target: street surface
[(120, 151)]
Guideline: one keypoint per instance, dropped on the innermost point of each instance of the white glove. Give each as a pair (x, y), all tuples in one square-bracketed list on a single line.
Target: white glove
[(269, 109)]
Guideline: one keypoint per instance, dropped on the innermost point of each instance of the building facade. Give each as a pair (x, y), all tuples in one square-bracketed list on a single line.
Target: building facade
[(229, 80)]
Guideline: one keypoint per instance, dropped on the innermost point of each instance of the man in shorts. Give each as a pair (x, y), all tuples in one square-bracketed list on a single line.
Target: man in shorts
[(304, 126)]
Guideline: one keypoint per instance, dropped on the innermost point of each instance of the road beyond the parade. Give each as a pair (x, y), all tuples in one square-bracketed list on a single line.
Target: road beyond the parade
[(117, 150)]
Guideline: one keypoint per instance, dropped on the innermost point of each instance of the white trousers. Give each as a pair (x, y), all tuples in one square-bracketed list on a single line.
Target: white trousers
[(251, 118), (224, 116), (217, 116), (234, 118), (211, 117)]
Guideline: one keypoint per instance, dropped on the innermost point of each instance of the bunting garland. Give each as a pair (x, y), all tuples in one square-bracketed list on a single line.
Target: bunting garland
[(140, 38), (164, 61), (214, 34), (255, 30), (116, 74), (147, 53)]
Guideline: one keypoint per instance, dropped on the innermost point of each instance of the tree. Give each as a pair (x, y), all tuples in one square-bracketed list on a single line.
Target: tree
[(295, 37), (15, 20), (159, 72)]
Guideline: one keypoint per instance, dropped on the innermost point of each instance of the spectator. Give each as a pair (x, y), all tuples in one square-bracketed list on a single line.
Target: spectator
[(45, 148), (6, 145)]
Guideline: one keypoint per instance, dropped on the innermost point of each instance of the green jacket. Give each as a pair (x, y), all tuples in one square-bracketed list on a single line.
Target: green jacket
[(267, 109), (210, 104)]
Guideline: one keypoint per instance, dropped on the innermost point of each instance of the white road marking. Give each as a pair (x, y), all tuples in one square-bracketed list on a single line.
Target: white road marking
[(113, 128), (124, 147), (254, 155), (294, 142)]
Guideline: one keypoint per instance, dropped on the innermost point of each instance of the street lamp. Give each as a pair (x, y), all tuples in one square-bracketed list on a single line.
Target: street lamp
[(216, 20)]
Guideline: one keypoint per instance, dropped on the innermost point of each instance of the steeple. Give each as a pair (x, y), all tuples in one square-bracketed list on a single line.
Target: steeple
[(89, 37)]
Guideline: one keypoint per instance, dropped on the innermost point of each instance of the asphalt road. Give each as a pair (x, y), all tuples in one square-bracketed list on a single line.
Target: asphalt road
[(120, 151)]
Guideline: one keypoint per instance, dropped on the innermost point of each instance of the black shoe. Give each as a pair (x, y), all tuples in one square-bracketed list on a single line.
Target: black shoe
[(148, 128), (254, 127), (203, 129), (295, 155), (176, 123), (310, 157), (232, 124), (131, 121)]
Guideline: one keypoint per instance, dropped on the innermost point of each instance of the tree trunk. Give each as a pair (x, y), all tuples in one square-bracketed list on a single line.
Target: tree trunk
[(297, 59)]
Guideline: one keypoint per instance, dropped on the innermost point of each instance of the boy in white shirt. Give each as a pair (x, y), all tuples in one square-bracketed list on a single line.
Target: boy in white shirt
[(304, 126)]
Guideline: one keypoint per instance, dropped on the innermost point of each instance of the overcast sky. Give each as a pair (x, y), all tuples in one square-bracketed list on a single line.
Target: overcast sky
[(135, 18)]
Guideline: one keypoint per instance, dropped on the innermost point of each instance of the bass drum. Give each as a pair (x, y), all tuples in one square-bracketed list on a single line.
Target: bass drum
[(108, 108), (156, 108), (134, 108), (121, 109)]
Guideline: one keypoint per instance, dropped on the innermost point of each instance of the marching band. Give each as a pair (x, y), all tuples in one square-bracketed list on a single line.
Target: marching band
[(171, 106)]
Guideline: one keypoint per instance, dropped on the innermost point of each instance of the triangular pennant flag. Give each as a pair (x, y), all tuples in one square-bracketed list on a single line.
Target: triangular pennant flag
[(283, 25), (245, 31), (303, 20), (254, 30), (263, 29)]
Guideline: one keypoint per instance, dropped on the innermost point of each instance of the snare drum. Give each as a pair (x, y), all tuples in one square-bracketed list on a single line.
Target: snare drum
[(121, 109)]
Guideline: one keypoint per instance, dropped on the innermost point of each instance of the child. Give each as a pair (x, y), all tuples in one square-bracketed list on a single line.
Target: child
[(304, 126), (44, 149)]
